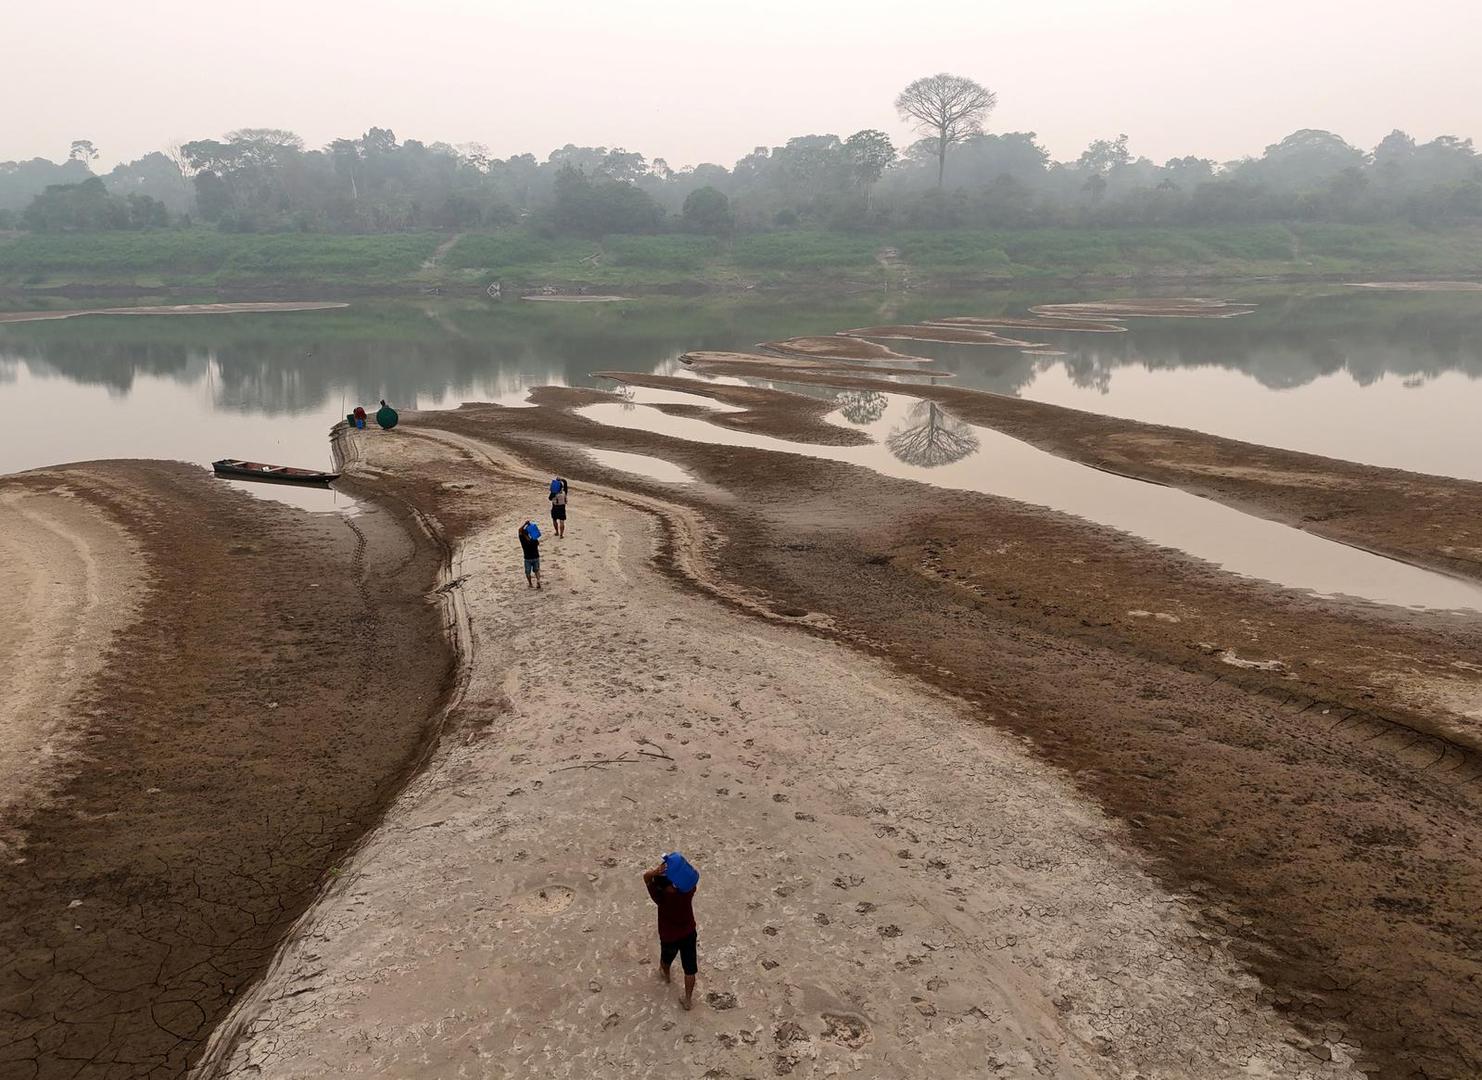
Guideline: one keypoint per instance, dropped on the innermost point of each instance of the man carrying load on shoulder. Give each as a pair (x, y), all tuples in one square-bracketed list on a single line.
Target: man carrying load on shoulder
[(530, 545), (557, 496), (671, 885)]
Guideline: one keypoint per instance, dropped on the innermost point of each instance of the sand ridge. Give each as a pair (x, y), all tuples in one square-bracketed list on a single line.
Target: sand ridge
[(853, 918), (72, 578), (1306, 809)]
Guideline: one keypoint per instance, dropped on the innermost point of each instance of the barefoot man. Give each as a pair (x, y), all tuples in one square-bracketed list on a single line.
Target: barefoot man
[(672, 886), (530, 548)]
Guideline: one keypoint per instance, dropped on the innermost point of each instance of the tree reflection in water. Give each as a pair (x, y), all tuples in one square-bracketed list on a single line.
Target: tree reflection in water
[(861, 406), (932, 437)]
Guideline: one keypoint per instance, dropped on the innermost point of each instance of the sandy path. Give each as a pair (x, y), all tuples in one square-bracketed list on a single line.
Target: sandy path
[(430, 263), (891, 888), (72, 578)]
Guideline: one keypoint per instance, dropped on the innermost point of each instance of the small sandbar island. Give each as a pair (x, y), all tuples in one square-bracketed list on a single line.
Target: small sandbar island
[(265, 307)]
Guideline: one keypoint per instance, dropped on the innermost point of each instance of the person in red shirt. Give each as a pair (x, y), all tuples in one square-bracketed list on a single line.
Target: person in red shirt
[(678, 934)]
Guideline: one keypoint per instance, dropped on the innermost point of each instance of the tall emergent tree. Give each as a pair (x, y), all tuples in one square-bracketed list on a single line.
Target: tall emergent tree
[(947, 108)]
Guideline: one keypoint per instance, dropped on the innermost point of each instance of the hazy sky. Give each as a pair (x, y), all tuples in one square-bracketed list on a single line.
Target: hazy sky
[(704, 81)]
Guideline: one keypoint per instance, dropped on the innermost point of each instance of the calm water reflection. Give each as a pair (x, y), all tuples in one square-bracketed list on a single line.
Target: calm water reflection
[(1387, 378), (916, 440)]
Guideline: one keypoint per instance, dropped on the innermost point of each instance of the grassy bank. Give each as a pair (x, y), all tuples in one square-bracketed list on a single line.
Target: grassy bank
[(523, 258), (208, 258)]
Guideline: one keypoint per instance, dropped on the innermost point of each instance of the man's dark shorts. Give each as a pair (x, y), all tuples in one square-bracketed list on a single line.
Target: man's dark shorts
[(688, 954)]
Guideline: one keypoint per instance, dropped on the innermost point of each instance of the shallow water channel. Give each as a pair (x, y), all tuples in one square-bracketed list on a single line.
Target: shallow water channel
[(917, 440)]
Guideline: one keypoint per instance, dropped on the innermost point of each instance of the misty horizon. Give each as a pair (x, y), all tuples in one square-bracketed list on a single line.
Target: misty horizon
[(692, 87)]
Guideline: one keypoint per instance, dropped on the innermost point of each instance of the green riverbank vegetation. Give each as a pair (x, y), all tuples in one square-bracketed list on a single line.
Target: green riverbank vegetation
[(523, 258), (257, 206)]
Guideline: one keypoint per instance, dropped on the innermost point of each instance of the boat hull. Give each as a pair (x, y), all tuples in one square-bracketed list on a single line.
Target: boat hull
[(264, 473)]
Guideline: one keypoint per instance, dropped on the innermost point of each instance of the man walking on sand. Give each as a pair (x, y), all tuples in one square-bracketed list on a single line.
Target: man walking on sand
[(530, 545), (557, 497), (671, 885)]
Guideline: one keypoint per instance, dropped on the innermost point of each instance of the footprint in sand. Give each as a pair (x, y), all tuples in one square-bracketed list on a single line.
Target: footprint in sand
[(787, 1033), (846, 1029), (720, 1001), (549, 900)]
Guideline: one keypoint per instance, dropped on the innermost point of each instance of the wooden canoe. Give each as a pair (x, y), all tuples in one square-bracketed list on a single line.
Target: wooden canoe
[(273, 474)]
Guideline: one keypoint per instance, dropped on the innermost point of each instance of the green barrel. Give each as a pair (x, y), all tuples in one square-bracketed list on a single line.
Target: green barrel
[(386, 417)]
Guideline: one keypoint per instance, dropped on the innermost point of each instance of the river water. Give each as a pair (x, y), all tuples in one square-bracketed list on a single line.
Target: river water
[(1390, 379)]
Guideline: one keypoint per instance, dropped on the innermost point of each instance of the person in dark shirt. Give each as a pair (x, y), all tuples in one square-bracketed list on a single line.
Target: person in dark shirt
[(530, 545), (557, 496), (678, 934)]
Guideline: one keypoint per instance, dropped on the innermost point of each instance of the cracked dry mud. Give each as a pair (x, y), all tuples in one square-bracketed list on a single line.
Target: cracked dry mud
[(215, 731), (618, 714)]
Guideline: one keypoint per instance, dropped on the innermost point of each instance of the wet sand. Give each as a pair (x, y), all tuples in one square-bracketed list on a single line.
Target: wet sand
[(891, 886), (1302, 774), (594, 299), (839, 347), (1419, 286), (956, 335), (757, 409), (209, 698), (72, 578), (173, 309), (1058, 323), (1168, 307)]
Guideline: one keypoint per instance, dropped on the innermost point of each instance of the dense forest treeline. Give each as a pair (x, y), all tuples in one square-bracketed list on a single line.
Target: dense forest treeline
[(268, 180)]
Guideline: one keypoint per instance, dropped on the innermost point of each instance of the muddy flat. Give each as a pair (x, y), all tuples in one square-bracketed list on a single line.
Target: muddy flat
[(1420, 286), (1184, 307), (188, 744), (594, 299), (1064, 324), (173, 309), (1366, 506), (73, 578), (839, 347), (951, 334)]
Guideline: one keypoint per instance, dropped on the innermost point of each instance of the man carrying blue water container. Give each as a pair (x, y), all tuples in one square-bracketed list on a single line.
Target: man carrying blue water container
[(530, 548), (671, 885)]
